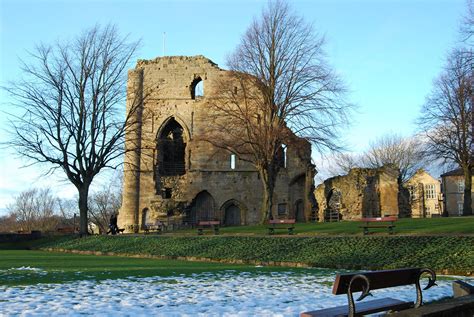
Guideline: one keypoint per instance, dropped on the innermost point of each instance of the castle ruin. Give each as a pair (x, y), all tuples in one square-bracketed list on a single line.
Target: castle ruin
[(173, 176)]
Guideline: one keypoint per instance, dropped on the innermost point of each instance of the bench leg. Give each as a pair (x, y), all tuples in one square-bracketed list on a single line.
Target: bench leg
[(290, 231), (271, 231), (200, 231), (216, 230), (390, 230), (366, 231)]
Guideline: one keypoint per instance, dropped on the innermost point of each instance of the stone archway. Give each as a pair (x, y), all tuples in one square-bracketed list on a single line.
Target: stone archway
[(203, 208), (233, 213), (299, 211)]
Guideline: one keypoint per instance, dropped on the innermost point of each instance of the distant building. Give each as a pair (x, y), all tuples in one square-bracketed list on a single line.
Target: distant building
[(425, 199), (453, 190)]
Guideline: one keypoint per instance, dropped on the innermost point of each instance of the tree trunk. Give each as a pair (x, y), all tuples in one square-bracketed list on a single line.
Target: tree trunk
[(268, 181), (467, 206), (83, 209)]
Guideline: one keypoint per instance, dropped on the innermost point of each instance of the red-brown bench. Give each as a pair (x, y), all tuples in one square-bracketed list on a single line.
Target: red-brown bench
[(157, 228), (67, 230), (365, 282), (209, 224), (379, 222), (281, 224)]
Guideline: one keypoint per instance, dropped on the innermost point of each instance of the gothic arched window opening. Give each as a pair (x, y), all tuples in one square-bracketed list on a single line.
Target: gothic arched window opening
[(171, 150), (197, 88)]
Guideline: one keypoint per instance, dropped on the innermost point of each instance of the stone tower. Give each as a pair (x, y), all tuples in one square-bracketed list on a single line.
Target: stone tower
[(171, 176)]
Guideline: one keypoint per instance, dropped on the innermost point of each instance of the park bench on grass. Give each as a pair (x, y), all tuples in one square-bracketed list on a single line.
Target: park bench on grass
[(67, 230), (275, 224), (157, 228), (210, 224), (365, 282), (379, 222)]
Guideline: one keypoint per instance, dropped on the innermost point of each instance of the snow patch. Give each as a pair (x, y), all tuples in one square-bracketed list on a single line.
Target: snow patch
[(224, 293)]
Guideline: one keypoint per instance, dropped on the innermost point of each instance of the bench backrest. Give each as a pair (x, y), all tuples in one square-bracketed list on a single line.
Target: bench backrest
[(380, 219), (284, 221), (378, 279), (208, 223)]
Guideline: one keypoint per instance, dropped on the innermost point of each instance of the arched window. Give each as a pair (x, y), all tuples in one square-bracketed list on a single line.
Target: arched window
[(282, 156), (171, 150), (197, 88)]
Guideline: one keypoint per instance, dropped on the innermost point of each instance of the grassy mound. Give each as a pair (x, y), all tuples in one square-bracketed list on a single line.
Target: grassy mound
[(447, 254)]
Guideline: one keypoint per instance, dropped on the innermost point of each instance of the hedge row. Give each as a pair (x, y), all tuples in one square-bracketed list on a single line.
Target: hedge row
[(447, 254)]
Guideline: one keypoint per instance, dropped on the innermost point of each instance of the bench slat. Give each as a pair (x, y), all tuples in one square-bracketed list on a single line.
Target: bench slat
[(379, 219), (370, 307), (378, 280)]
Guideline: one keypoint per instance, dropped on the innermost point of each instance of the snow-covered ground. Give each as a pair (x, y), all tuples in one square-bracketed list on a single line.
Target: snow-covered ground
[(226, 293)]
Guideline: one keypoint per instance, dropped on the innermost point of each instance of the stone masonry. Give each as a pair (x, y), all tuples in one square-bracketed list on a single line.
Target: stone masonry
[(363, 192), (172, 176)]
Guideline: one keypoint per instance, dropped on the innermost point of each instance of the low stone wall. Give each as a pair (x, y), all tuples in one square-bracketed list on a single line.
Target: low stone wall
[(18, 237)]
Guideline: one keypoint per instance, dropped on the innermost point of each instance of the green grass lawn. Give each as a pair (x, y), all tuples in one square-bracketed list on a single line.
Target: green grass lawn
[(65, 267), (426, 226)]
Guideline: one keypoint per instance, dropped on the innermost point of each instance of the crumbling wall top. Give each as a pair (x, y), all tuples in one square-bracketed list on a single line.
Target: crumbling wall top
[(198, 59)]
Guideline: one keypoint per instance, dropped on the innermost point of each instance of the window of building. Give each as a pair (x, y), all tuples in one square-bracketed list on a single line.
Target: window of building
[(232, 161), (412, 190), (460, 208), (281, 209), (171, 150), (197, 88), (282, 157), (430, 191), (428, 210), (461, 186), (167, 192)]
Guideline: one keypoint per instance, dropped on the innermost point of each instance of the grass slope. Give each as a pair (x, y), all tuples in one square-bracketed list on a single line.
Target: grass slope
[(406, 226), (453, 254)]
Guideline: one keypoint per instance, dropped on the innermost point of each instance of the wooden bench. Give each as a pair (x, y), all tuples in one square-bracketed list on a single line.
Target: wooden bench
[(67, 230), (281, 224), (211, 224), (367, 281), (379, 222), (157, 228)]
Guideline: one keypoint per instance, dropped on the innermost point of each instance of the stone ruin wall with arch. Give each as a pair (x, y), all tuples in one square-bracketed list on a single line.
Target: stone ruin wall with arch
[(171, 176), (363, 192)]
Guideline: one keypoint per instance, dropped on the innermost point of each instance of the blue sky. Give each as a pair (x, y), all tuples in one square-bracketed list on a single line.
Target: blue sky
[(388, 52)]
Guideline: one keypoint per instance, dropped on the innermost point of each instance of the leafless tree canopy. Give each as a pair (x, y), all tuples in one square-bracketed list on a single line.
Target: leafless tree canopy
[(391, 149), (105, 202), (341, 163), (33, 209), (72, 95), (447, 116), (296, 87), (279, 80)]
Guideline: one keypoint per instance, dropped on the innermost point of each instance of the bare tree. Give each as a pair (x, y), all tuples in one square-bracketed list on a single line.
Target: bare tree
[(446, 120), (70, 97), (8, 223), (391, 149), (341, 163), (35, 209), (105, 202), (280, 86)]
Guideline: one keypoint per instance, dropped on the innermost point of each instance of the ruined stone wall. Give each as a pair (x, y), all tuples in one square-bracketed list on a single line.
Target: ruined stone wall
[(363, 192), (166, 85)]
